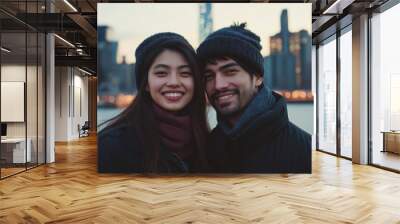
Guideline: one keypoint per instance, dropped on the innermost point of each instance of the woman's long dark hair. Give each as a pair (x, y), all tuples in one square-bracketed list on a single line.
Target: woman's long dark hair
[(139, 114)]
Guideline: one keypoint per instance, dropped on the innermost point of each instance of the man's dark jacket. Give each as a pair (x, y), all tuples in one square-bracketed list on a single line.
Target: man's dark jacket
[(263, 140)]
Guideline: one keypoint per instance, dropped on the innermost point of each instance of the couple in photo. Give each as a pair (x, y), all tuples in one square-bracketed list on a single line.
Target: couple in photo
[(165, 129)]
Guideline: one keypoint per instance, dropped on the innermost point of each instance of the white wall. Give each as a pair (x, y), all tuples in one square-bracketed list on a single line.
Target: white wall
[(12, 73), (61, 103), (33, 126), (71, 94)]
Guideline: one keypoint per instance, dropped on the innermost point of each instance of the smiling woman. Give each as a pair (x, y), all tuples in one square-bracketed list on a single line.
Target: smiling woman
[(164, 129), (170, 81)]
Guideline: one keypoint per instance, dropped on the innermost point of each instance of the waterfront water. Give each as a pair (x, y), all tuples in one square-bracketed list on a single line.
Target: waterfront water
[(104, 114), (300, 114)]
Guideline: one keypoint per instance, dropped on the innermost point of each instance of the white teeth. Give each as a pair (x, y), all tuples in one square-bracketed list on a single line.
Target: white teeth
[(173, 94), (224, 97)]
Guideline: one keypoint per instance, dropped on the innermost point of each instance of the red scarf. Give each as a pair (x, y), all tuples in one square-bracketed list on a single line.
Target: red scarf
[(175, 131)]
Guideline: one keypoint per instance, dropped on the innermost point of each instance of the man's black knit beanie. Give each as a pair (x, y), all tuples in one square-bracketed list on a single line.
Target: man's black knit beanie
[(235, 42)]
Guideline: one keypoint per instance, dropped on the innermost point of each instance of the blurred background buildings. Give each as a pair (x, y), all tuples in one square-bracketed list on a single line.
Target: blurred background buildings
[(287, 68)]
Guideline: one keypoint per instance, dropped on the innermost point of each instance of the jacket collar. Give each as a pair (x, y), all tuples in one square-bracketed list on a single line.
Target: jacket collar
[(266, 112)]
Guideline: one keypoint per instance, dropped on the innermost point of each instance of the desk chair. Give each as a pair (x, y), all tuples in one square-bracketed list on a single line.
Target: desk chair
[(84, 130)]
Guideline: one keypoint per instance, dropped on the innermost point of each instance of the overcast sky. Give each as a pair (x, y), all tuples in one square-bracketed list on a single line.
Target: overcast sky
[(131, 23)]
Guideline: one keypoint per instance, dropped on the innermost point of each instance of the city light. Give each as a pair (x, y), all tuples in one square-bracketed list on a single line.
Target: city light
[(119, 101), (300, 95)]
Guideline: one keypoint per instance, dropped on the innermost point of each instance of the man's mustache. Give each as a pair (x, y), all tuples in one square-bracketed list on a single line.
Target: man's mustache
[(224, 92)]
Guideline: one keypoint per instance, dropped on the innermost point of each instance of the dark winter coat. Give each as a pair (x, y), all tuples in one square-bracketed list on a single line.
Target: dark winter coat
[(120, 151), (263, 140)]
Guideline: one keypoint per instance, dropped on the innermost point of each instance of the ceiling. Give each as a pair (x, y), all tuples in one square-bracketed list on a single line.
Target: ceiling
[(76, 22)]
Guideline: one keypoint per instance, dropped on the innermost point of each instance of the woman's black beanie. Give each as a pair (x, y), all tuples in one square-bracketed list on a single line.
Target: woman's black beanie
[(150, 44)]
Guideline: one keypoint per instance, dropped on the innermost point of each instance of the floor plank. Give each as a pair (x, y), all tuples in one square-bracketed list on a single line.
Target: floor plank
[(71, 191)]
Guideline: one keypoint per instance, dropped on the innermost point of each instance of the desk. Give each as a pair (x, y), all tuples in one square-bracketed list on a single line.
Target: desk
[(13, 150), (391, 141)]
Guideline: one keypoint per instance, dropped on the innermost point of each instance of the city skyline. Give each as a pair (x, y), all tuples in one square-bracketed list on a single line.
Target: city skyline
[(141, 15), (287, 69)]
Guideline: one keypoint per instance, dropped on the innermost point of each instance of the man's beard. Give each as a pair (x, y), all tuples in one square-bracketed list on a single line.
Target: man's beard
[(228, 113)]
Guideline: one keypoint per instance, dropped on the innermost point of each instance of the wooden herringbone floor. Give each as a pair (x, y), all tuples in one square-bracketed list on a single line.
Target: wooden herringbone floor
[(71, 191)]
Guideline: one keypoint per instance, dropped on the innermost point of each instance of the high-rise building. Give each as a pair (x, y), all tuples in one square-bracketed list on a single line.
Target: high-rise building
[(114, 78), (206, 21), (107, 58), (289, 65)]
